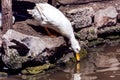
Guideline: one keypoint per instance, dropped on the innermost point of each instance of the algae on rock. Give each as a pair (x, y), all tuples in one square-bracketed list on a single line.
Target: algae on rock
[(37, 69)]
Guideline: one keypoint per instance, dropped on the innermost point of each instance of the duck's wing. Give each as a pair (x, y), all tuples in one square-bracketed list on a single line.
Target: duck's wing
[(45, 20), (49, 13)]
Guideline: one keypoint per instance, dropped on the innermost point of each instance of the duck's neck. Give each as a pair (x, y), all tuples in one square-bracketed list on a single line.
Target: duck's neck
[(73, 39)]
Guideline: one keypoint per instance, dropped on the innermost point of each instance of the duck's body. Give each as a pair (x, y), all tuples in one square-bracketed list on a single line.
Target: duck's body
[(50, 17)]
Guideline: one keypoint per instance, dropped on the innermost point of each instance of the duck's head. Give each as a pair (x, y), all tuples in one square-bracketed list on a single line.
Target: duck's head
[(76, 48), (34, 13)]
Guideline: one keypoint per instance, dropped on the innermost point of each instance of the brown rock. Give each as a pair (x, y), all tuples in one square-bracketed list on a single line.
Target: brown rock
[(20, 48), (106, 17)]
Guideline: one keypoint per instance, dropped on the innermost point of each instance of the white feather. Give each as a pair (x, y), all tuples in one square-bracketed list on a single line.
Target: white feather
[(53, 18)]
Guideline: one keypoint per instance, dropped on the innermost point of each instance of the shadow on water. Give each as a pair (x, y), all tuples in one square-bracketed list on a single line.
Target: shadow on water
[(102, 63)]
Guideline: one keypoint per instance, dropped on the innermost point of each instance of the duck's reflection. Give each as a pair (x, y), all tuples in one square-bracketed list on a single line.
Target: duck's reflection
[(76, 75)]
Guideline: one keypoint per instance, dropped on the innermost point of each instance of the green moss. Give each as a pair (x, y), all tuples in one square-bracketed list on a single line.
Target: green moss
[(37, 69), (96, 42), (83, 54), (113, 37), (92, 31)]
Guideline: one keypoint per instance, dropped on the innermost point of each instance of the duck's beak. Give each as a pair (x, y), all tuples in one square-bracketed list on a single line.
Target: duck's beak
[(77, 56)]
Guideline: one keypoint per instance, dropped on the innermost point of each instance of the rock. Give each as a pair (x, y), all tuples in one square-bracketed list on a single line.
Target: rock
[(118, 17), (3, 75), (81, 17), (64, 2), (35, 1), (86, 34), (20, 48), (40, 0), (0, 39), (106, 17), (37, 69), (90, 34), (106, 61)]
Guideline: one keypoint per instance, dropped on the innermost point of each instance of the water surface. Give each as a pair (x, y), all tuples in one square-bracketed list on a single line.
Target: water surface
[(102, 63)]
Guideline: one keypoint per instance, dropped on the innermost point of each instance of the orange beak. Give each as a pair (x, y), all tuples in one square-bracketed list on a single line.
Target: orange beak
[(77, 56)]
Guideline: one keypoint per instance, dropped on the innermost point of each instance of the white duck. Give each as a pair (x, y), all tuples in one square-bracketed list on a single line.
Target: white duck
[(1, 19), (51, 17)]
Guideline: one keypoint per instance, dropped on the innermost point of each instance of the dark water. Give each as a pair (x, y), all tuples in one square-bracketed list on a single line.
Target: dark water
[(102, 63)]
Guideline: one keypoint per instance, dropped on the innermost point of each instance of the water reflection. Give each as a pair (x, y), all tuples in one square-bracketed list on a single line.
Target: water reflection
[(102, 63), (77, 74), (106, 63)]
